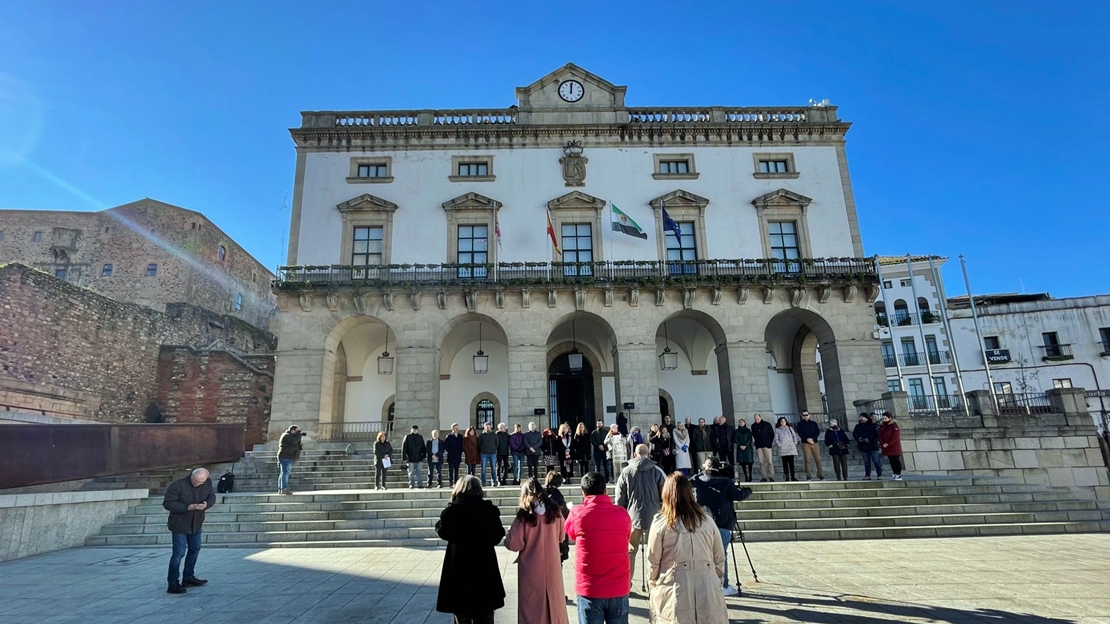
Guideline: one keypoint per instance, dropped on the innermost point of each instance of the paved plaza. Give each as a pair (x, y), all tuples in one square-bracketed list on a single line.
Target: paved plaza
[(1033, 579)]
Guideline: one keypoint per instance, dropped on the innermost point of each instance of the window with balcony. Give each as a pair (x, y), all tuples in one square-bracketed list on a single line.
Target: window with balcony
[(909, 352), (940, 389), (473, 248), (902, 313), (1003, 387), (775, 165), (1053, 349), (106, 270), (674, 167), (918, 400), (931, 349), (1061, 383), (1104, 339), (578, 246), (367, 246), (471, 169), (880, 314), (371, 170), (784, 240), (888, 355), (927, 315), (682, 247)]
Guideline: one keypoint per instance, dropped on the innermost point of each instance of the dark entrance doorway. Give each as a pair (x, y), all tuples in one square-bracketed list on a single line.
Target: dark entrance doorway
[(570, 394), (664, 406), (483, 413)]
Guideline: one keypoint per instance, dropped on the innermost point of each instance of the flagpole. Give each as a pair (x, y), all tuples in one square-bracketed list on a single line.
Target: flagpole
[(924, 343), (948, 328), (979, 334)]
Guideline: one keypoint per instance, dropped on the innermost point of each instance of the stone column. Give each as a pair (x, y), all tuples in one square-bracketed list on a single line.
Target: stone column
[(302, 392), (417, 396), (852, 371), (637, 382), (898, 403), (1071, 403), (751, 391), (527, 384)]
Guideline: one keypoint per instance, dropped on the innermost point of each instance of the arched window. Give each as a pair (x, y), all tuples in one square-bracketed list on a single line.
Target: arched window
[(483, 413), (902, 313), (389, 417), (664, 406), (880, 314)]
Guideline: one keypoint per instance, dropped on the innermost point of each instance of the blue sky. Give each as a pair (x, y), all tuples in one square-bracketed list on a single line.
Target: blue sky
[(980, 127)]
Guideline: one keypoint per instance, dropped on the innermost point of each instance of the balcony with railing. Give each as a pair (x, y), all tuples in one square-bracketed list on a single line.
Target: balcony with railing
[(1014, 404), (351, 431), (615, 273), (906, 319), (1056, 352), (919, 358), (933, 403)]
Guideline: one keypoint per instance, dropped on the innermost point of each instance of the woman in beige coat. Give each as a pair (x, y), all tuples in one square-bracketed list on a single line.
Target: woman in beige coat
[(535, 534), (686, 560)]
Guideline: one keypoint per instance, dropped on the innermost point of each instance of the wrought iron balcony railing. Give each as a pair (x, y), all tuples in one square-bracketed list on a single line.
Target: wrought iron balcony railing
[(626, 272), (1057, 352)]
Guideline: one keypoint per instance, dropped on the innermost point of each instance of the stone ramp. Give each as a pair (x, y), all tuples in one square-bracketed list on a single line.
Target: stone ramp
[(921, 507)]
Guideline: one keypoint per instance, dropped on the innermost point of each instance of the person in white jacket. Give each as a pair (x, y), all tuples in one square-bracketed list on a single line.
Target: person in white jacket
[(682, 449), (619, 449), (786, 440)]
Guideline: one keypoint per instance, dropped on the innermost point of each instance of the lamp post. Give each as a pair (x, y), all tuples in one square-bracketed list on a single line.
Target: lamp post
[(481, 360), (385, 361), (668, 360), (574, 358)]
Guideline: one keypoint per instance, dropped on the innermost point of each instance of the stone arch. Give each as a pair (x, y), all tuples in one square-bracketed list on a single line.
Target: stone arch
[(702, 340), (458, 340), (357, 339), (450, 341), (491, 397), (663, 394), (592, 331), (789, 341)]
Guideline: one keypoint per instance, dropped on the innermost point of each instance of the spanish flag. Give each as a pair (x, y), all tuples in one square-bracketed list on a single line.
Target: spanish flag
[(551, 233)]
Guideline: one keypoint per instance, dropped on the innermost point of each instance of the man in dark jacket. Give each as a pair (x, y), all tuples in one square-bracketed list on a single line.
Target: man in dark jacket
[(435, 451), (519, 452), (866, 435), (186, 500), (701, 442), (453, 445), (639, 490), (668, 424), (597, 439), (414, 451), (504, 451), (487, 446), (763, 434), (717, 494), (810, 434), (722, 434), (533, 440), (289, 451)]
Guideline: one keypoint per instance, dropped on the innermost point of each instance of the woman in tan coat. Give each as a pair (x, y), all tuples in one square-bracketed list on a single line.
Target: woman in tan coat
[(685, 560), (536, 534)]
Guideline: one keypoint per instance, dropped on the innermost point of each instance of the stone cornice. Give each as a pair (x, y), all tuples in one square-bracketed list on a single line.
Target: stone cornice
[(707, 134)]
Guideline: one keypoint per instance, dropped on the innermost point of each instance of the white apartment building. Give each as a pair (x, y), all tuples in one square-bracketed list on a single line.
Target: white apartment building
[(1035, 343), (569, 257)]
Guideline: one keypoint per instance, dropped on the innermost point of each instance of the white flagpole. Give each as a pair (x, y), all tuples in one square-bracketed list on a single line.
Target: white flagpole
[(979, 334)]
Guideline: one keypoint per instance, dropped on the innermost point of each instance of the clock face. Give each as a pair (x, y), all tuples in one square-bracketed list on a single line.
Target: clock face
[(571, 91)]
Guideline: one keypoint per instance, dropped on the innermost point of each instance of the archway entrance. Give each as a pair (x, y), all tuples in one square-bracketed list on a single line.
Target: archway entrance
[(570, 392), (664, 406)]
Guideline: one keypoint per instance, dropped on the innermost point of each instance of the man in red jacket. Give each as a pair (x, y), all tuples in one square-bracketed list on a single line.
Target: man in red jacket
[(602, 575)]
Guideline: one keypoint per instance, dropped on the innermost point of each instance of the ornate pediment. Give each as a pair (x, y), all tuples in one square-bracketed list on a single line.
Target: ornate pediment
[(781, 198), (471, 201), (543, 94), (576, 200), (366, 203), (680, 198)]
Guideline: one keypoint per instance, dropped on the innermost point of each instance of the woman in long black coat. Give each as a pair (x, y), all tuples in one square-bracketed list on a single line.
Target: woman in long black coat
[(470, 584)]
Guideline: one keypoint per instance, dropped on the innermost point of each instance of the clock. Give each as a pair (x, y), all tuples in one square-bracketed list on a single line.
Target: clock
[(571, 90)]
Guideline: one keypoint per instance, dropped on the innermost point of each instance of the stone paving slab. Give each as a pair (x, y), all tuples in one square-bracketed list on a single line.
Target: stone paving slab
[(1050, 579)]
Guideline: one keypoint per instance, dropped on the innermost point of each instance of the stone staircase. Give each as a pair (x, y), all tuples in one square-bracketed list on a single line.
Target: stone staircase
[(922, 507)]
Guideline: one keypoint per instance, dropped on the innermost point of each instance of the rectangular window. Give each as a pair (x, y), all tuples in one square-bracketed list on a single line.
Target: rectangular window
[(106, 270), (909, 353), (472, 169), (917, 394), (37, 237), (940, 389), (1052, 346), (367, 247), (682, 247), (773, 166), (372, 171), (887, 284), (674, 166), (1003, 387), (893, 385), (60, 273), (1104, 338), (151, 270), (888, 355), (784, 240), (1061, 383), (931, 349), (239, 301), (473, 249), (904, 282), (992, 343), (221, 253), (578, 246)]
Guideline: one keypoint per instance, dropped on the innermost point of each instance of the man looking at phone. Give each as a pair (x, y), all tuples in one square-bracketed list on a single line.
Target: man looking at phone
[(187, 499)]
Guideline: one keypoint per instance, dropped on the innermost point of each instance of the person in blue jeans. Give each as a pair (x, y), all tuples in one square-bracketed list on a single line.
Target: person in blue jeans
[(289, 451), (187, 499), (487, 448), (866, 435)]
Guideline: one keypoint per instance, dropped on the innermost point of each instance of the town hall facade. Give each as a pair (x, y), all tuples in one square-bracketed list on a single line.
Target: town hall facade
[(569, 256)]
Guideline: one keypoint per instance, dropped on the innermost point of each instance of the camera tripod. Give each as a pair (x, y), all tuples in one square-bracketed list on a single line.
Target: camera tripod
[(732, 545)]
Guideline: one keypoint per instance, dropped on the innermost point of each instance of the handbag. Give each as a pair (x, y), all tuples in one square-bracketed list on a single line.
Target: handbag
[(549, 460)]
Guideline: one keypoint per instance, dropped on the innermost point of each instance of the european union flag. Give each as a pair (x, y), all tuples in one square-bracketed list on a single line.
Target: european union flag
[(670, 225)]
